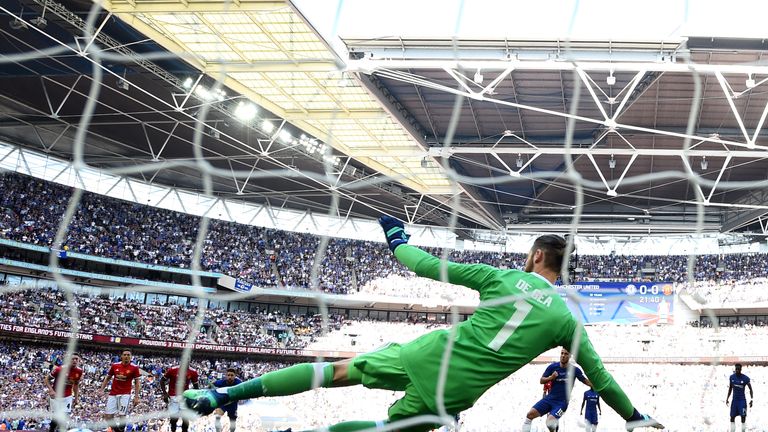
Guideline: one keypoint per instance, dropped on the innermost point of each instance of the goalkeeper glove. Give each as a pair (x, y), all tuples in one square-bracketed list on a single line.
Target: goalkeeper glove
[(394, 232)]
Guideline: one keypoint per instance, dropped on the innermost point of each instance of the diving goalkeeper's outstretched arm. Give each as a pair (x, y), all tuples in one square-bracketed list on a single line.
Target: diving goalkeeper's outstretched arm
[(427, 265)]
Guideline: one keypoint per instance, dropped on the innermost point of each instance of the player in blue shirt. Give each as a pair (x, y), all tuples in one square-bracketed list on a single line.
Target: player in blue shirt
[(556, 402), (592, 402), (229, 380), (739, 404)]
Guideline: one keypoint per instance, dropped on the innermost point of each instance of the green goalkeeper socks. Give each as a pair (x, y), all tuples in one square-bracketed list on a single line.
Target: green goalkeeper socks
[(289, 381), (353, 426)]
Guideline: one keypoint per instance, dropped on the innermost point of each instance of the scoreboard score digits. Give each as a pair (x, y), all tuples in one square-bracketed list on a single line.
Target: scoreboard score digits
[(650, 293), (621, 303)]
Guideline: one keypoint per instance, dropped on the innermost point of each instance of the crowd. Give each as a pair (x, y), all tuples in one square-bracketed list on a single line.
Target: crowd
[(674, 268), (23, 367), (636, 341), (426, 289), (47, 308), (31, 211), (717, 293), (684, 397), (710, 293)]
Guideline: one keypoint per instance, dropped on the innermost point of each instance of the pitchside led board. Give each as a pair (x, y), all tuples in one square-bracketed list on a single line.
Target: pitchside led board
[(621, 302)]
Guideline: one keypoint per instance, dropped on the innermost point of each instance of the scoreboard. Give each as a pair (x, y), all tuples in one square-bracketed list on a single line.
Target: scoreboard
[(620, 302)]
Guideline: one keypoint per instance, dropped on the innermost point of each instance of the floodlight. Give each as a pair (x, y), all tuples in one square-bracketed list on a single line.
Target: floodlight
[(750, 82), (267, 126), (245, 111), (478, 78), (40, 22), (123, 84), (203, 93), (17, 24), (285, 136)]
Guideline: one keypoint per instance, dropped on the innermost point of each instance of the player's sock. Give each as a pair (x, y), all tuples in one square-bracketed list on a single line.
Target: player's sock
[(743, 427), (217, 423), (527, 425), (289, 381), (552, 424), (173, 424), (232, 425), (54, 426), (184, 425), (733, 426)]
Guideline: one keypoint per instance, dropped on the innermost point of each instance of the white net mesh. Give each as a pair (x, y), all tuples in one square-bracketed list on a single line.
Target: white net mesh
[(495, 410)]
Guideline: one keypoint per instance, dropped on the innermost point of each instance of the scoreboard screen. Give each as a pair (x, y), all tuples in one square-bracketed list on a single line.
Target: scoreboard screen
[(620, 302)]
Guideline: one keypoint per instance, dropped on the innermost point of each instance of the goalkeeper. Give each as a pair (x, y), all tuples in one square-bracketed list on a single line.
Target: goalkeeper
[(493, 343)]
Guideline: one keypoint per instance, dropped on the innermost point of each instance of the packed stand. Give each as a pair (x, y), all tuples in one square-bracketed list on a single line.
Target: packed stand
[(23, 367), (636, 341), (710, 293), (113, 228), (717, 293), (365, 336), (400, 286), (684, 398), (48, 308)]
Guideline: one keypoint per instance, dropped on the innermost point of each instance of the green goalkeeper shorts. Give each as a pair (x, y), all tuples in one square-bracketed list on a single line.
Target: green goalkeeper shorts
[(383, 369)]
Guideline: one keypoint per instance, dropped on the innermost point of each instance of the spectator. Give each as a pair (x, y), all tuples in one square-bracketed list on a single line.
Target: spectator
[(47, 308), (23, 366), (113, 228)]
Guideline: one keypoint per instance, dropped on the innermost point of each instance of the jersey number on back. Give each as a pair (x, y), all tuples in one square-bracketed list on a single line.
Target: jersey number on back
[(522, 309)]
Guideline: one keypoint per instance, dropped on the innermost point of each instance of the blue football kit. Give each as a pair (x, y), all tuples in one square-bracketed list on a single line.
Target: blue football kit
[(556, 402), (231, 408), (591, 400), (739, 403)]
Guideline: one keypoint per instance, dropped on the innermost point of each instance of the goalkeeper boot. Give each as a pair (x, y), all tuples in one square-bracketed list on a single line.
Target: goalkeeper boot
[(205, 402), (643, 421)]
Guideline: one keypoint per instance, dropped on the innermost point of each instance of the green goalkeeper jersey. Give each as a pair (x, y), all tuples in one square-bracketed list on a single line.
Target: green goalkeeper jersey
[(529, 319)]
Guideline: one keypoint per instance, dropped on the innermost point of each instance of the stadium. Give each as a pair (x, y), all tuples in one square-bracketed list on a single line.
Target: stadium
[(199, 185)]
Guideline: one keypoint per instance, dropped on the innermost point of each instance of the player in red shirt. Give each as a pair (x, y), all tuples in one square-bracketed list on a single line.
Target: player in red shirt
[(547, 388), (123, 374), (172, 396), (71, 388)]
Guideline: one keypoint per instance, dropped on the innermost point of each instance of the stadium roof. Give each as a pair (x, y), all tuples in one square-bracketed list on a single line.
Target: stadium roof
[(375, 120)]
